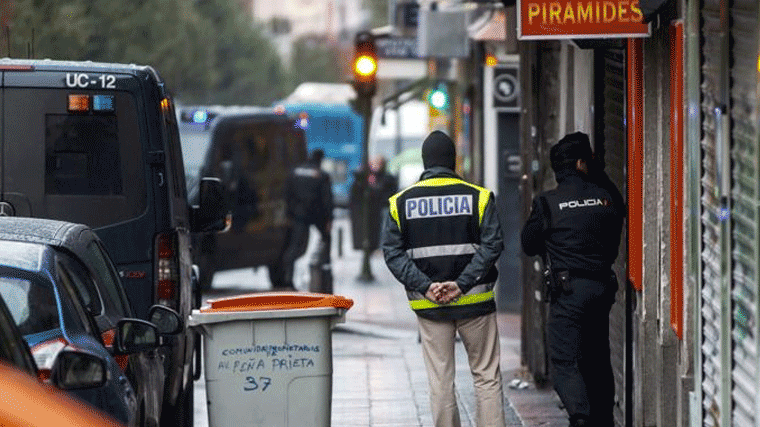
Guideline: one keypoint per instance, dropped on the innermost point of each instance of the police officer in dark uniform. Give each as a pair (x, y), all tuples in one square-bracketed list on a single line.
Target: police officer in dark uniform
[(309, 202), (577, 227), (441, 240)]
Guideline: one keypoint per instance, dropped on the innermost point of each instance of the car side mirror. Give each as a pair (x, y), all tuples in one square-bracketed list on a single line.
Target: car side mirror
[(211, 212), (135, 336), (167, 320), (76, 369)]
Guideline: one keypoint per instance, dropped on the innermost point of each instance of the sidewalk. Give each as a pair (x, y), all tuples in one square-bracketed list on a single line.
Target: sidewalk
[(379, 377)]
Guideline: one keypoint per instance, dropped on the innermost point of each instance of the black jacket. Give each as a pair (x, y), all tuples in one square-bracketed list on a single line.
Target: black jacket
[(309, 195), (482, 262), (578, 224)]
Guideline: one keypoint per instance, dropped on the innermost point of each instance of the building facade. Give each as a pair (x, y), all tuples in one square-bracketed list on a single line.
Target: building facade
[(675, 116), (286, 21)]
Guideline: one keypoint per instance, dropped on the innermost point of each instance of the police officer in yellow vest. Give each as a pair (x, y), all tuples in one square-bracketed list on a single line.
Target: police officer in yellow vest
[(441, 240)]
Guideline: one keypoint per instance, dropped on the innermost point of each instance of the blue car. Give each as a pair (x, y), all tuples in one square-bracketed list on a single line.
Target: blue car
[(72, 369), (105, 299), (43, 284)]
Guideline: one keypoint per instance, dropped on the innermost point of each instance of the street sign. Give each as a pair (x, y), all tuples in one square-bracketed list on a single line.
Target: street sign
[(506, 88), (443, 33), (396, 47), (579, 19)]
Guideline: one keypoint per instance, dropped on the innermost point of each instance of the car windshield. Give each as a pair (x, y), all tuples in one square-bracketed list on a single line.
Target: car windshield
[(31, 303)]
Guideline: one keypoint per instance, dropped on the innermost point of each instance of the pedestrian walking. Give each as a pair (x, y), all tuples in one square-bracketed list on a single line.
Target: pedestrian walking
[(577, 227), (309, 202), (441, 240)]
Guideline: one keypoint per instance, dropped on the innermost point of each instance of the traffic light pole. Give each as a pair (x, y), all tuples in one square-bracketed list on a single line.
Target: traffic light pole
[(364, 107)]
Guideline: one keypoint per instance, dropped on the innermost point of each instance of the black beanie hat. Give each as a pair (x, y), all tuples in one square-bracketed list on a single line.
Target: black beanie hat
[(438, 150), (569, 149)]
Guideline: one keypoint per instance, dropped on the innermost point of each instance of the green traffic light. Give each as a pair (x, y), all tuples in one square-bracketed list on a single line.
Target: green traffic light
[(439, 99)]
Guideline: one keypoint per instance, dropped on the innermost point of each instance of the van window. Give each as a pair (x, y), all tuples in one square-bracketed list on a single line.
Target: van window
[(86, 168), (82, 153)]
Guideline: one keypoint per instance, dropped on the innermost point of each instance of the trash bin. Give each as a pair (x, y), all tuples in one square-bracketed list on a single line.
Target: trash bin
[(268, 358)]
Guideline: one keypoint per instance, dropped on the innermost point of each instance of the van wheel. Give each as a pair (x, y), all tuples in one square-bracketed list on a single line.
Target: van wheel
[(276, 275)]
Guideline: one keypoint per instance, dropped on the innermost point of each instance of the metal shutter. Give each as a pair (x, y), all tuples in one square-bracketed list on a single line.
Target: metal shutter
[(712, 332), (611, 139), (745, 193)]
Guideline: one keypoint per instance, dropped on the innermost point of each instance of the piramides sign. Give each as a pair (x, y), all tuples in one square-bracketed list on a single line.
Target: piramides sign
[(567, 19)]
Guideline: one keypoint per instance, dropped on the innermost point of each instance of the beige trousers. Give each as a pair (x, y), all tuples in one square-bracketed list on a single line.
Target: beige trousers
[(480, 337)]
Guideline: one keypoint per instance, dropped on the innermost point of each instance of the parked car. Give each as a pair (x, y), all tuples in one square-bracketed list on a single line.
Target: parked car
[(25, 402), (99, 145), (107, 303), (43, 283), (73, 368), (252, 150)]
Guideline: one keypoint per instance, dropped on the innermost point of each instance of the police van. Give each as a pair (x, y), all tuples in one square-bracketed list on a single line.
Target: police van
[(98, 144), (252, 150)]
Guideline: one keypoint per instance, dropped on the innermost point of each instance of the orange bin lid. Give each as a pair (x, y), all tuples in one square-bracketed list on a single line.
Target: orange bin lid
[(277, 301)]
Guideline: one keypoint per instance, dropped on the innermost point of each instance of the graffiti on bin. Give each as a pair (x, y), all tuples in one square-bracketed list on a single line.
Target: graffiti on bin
[(274, 358), (271, 350), (253, 384)]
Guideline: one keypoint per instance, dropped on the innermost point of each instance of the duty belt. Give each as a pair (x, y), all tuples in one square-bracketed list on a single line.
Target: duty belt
[(598, 275)]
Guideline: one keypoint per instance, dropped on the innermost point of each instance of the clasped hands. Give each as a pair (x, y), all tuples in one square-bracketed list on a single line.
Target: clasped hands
[(443, 292)]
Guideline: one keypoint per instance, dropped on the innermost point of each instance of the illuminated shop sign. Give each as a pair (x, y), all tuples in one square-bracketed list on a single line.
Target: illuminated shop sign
[(576, 19)]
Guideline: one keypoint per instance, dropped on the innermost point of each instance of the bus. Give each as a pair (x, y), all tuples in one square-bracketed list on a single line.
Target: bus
[(336, 129)]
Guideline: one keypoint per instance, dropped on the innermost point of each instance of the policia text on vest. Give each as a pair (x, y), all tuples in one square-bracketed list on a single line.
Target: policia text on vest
[(437, 206)]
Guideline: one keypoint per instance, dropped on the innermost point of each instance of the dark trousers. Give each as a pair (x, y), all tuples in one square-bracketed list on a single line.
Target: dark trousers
[(297, 243), (579, 349)]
